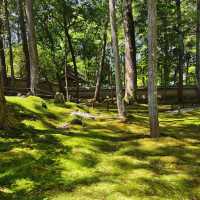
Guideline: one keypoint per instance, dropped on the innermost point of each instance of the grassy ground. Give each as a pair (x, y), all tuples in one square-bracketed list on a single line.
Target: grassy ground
[(102, 160)]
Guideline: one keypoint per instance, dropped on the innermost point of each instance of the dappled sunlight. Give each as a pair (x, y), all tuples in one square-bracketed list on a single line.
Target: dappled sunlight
[(102, 159)]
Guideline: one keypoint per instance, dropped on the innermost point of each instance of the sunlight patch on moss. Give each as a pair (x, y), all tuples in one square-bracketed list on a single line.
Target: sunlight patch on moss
[(23, 184)]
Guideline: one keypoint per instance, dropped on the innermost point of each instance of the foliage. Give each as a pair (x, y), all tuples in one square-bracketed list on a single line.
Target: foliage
[(86, 23)]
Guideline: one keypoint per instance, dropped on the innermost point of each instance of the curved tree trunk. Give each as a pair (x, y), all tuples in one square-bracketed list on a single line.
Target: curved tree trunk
[(32, 45), (152, 65), (130, 53), (119, 91)]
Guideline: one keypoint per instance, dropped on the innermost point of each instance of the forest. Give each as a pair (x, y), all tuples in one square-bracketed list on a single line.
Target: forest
[(99, 99)]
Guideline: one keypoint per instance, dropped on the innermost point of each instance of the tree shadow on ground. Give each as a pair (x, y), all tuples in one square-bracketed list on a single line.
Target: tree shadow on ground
[(31, 161), (31, 158)]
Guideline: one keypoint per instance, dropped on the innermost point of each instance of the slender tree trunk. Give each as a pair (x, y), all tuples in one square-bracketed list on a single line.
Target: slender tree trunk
[(74, 61), (187, 69), (152, 65), (32, 45), (166, 63), (198, 47), (66, 71), (119, 91), (24, 42), (99, 74), (130, 53), (67, 35), (2, 52), (10, 43), (66, 82), (3, 112), (181, 52)]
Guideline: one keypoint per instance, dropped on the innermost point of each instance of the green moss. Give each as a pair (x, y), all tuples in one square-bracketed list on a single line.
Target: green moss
[(104, 159)]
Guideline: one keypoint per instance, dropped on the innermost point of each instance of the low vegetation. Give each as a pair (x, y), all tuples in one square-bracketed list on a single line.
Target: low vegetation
[(48, 158)]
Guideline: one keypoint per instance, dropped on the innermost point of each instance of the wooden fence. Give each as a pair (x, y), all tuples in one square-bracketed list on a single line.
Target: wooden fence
[(190, 94)]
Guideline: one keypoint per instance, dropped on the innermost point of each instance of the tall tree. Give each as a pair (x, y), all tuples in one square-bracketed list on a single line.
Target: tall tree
[(2, 52), (70, 45), (24, 41), (102, 63), (180, 51), (32, 45), (3, 113), (198, 46), (9, 37), (65, 55), (152, 65), (130, 53), (119, 91)]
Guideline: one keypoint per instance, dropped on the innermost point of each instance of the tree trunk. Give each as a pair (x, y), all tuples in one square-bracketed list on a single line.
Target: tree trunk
[(152, 65), (166, 63), (119, 91), (32, 45), (99, 74), (74, 61), (24, 42), (130, 53), (10, 43), (180, 51), (66, 77), (2, 52), (198, 47), (3, 113), (67, 35), (66, 83), (187, 68)]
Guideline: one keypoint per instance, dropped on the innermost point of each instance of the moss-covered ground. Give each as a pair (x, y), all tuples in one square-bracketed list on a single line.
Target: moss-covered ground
[(104, 159)]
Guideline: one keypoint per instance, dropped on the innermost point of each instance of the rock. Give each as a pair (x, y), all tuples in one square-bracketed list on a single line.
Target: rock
[(77, 122), (183, 110), (83, 115), (59, 98), (44, 105)]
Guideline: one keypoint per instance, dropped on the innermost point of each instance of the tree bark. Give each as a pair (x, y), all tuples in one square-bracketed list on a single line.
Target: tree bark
[(2, 52), (67, 35), (32, 46), (187, 68), (3, 111), (24, 42), (152, 65), (198, 47), (130, 53), (180, 51), (99, 74), (74, 61), (66, 40), (10, 43), (119, 91)]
